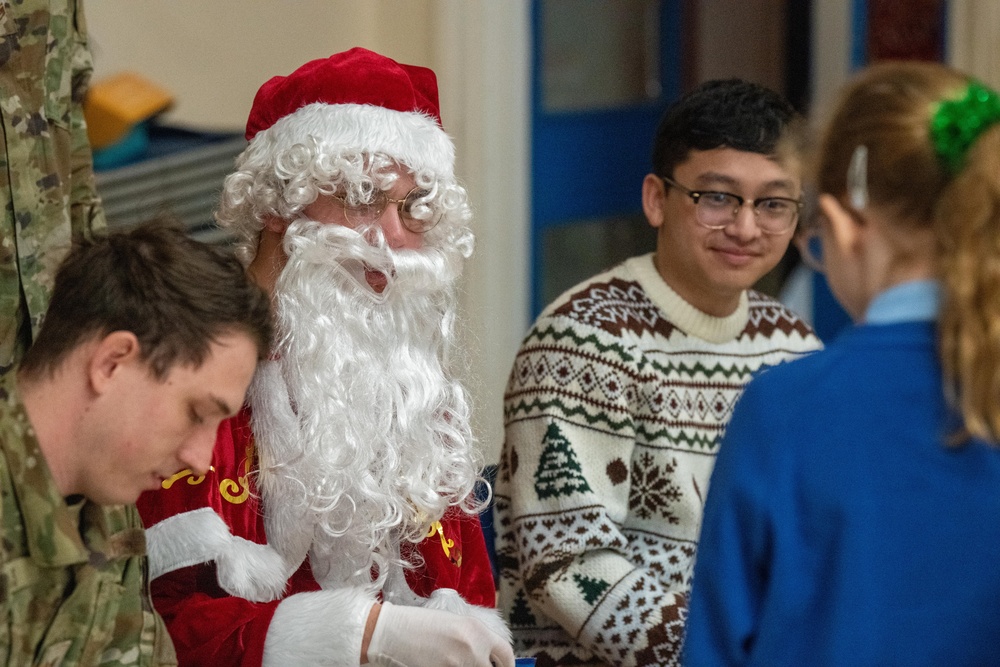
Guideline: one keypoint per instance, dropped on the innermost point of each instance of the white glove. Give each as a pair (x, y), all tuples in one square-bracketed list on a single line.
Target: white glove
[(419, 637)]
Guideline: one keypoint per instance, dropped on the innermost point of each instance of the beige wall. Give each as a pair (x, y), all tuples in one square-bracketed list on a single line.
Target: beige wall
[(482, 49), (214, 54), (974, 39)]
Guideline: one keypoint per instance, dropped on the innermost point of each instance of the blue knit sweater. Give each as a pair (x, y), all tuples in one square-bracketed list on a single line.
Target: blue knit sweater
[(840, 529)]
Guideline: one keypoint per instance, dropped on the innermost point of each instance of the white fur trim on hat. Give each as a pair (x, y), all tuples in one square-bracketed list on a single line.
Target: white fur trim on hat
[(410, 137)]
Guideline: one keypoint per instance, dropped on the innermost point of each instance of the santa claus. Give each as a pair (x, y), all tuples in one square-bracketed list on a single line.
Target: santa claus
[(337, 524)]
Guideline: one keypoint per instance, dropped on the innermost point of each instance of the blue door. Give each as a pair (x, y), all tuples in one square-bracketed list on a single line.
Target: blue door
[(603, 72)]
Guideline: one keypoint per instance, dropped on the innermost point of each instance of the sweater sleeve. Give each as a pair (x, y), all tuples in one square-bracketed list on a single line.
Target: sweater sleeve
[(730, 576), (565, 487)]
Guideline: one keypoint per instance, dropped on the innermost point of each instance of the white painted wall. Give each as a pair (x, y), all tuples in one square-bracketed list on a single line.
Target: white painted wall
[(831, 66), (974, 39), (482, 48)]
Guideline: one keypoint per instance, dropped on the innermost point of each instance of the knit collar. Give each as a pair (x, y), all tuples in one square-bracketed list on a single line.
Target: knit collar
[(682, 314)]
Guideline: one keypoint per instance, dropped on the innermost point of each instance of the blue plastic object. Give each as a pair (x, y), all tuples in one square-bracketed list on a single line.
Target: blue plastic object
[(126, 150)]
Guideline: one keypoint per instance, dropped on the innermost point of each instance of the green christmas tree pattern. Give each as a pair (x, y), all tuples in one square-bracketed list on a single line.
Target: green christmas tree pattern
[(591, 588), (559, 472)]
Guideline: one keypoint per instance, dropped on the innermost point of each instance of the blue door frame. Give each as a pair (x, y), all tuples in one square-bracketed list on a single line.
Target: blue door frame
[(590, 164)]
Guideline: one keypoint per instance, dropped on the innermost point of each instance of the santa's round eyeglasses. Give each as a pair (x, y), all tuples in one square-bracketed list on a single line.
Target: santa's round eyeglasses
[(415, 209)]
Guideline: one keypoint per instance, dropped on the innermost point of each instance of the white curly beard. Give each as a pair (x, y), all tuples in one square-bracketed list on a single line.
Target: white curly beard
[(362, 434)]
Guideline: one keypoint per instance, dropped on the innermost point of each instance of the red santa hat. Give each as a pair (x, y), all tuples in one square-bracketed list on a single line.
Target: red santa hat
[(357, 101)]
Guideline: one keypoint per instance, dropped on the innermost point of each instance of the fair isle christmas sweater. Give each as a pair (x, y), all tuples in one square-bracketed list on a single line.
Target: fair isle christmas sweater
[(613, 414)]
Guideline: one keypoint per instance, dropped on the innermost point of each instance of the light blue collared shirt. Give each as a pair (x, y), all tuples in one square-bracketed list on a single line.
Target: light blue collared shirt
[(915, 301)]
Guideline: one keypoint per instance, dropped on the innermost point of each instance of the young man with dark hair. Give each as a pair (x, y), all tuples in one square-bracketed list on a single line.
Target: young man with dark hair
[(151, 339), (621, 390)]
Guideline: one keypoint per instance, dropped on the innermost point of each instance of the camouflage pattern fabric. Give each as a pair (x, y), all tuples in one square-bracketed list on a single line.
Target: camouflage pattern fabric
[(46, 173), (74, 587)]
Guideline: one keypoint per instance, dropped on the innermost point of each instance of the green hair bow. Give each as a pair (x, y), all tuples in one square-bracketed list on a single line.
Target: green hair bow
[(957, 123)]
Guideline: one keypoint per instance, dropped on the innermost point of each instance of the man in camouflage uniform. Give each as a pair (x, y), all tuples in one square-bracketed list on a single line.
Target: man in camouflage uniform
[(47, 181), (150, 341)]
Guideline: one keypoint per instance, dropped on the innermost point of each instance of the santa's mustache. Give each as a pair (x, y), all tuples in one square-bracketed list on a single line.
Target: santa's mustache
[(353, 252)]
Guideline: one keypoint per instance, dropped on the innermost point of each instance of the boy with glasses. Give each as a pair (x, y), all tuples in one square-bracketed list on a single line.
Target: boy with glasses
[(622, 389)]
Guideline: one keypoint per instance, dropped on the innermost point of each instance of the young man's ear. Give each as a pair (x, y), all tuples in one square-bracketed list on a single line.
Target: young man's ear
[(845, 228), (653, 195), (110, 354)]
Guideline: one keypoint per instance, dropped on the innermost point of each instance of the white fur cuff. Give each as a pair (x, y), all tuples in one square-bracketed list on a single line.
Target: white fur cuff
[(322, 628), (245, 569), (186, 539)]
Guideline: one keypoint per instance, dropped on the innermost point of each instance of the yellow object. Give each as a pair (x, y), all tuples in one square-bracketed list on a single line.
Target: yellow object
[(115, 104), (446, 544)]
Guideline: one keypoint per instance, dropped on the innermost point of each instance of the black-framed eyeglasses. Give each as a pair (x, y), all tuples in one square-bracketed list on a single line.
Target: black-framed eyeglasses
[(415, 209), (718, 210)]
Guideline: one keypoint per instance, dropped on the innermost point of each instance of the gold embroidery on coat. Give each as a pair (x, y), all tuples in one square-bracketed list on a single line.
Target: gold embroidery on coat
[(229, 488), (446, 544), (167, 483)]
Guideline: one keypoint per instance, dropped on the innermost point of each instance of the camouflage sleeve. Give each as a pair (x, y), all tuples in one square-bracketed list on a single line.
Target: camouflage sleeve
[(140, 637), (86, 211)]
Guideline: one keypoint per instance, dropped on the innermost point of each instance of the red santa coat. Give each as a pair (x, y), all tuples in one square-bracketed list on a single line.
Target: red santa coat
[(212, 628)]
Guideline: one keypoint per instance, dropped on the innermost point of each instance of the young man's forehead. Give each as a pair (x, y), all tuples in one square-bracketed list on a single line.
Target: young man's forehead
[(726, 166), (784, 153), (716, 178)]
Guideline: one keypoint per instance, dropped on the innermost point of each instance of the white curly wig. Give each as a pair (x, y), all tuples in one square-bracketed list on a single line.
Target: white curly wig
[(324, 148)]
